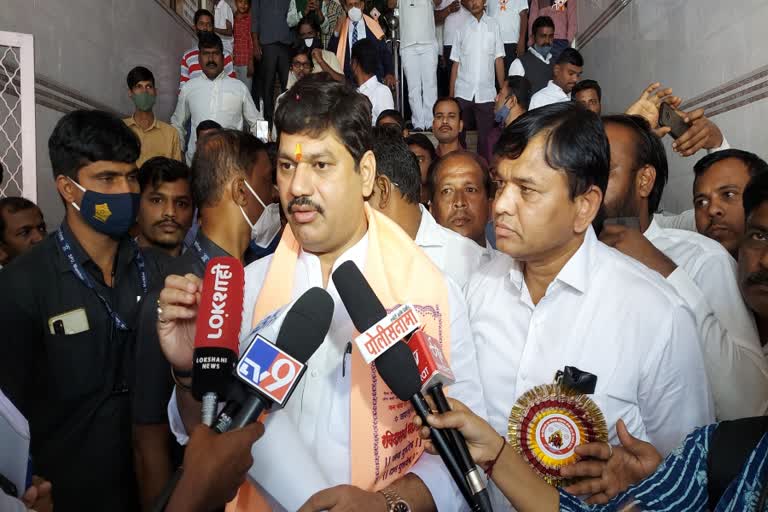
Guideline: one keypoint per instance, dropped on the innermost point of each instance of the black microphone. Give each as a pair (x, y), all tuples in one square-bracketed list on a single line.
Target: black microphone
[(253, 390), (396, 365), (434, 372), (302, 332)]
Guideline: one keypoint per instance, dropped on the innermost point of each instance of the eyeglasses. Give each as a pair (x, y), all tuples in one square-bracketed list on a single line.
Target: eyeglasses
[(301, 65)]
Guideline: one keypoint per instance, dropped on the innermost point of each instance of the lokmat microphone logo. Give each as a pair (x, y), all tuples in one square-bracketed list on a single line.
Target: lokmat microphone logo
[(386, 332), (269, 370)]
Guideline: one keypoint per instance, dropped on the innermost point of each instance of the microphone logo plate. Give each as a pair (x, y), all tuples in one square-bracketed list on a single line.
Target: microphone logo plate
[(269, 370)]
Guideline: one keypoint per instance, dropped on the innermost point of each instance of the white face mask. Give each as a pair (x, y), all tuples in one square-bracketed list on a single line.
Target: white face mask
[(268, 225), (308, 42), (355, 14)]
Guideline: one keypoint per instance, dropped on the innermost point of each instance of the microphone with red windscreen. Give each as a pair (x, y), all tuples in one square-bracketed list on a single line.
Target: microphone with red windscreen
[(217, 332)]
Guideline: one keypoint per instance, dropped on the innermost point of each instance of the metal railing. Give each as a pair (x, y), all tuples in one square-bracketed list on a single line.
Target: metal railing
[(17, 115)]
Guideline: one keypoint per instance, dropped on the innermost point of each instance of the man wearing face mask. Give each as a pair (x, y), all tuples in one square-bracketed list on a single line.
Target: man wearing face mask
[(157, 138), (535, 64), (354, 27), (232, 187), (69, 310), (308, 32)]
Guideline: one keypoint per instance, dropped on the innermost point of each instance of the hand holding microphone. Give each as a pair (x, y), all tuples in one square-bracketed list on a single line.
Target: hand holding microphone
[(483, 441), (176, 316)]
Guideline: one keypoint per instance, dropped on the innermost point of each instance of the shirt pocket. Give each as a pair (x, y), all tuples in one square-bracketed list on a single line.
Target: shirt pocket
[(231, 102), (76, 364), (488, 43)]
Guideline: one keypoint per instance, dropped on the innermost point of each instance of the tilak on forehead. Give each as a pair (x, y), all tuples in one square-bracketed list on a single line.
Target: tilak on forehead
[(297, 152)]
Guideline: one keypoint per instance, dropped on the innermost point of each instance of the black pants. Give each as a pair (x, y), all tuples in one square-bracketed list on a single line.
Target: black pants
[(444, 73), (275, 58)]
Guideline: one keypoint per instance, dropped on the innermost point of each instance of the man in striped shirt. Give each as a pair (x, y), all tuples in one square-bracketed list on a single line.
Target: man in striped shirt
[(190, 65)]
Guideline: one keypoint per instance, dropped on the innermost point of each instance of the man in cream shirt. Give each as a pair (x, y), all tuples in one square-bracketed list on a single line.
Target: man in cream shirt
[(560, 298), (323, 177)]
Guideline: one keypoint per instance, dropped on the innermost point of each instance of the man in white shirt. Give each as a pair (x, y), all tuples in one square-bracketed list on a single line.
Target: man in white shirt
[(718, 186), (213, 96), (561, 298), (478, 58), (512, 16), (565, 75), (190, 61), (418, 50), (450, 16), (364, 62), (461, 187), (223, 23), (396, 194), (325, 171), (699, 269)]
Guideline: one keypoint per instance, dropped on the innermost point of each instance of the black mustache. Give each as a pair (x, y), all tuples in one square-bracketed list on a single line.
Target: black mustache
[(759, 277), (305, 201), (166, 221)]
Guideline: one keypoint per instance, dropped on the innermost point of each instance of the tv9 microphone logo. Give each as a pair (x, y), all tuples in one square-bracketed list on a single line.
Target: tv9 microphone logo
[(269, 370)]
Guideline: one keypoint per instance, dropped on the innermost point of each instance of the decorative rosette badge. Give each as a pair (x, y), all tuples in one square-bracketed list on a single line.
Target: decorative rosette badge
[(549, 421)]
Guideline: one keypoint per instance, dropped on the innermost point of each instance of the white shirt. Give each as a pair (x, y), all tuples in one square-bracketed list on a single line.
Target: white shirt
[(380, 96), (605, 314), (319, 406), (552, 93), (477, 46), (685, 220), (221, 14), (417, 22), (455, 255), (517, 68), (706, 280), (507, 13), (453, 22), (225, 100)]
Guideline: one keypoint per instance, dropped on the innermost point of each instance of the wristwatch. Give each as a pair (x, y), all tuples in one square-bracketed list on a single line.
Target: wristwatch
[(394, 502)]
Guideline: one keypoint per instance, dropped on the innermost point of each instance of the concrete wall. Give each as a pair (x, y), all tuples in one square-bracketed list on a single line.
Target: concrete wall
[(89, 46), (693, 46)]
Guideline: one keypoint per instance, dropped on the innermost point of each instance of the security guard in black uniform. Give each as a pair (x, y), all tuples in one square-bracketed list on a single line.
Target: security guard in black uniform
[(68, 314)]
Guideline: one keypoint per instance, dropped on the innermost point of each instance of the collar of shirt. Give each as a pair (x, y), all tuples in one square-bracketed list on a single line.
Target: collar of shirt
[(125, 252), (539, 56), (131, 121), (369, 84), (653, 229), (428, 234), (210, 248), (575, 273), (554, 90)]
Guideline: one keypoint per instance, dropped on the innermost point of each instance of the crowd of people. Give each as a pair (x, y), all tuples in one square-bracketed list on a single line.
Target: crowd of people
[(542, 248)]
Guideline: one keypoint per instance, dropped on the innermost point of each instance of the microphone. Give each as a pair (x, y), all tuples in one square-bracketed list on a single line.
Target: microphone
[(217, 332), (395, 363), (271, 372), (305, 324), (435, 373)]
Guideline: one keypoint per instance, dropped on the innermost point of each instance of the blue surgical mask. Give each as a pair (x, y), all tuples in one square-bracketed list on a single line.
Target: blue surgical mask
[(109, 214), (543, 50), (502, 114)]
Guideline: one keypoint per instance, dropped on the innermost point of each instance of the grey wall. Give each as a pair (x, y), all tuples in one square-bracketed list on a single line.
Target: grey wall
[(89, 46), (693, 46)]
